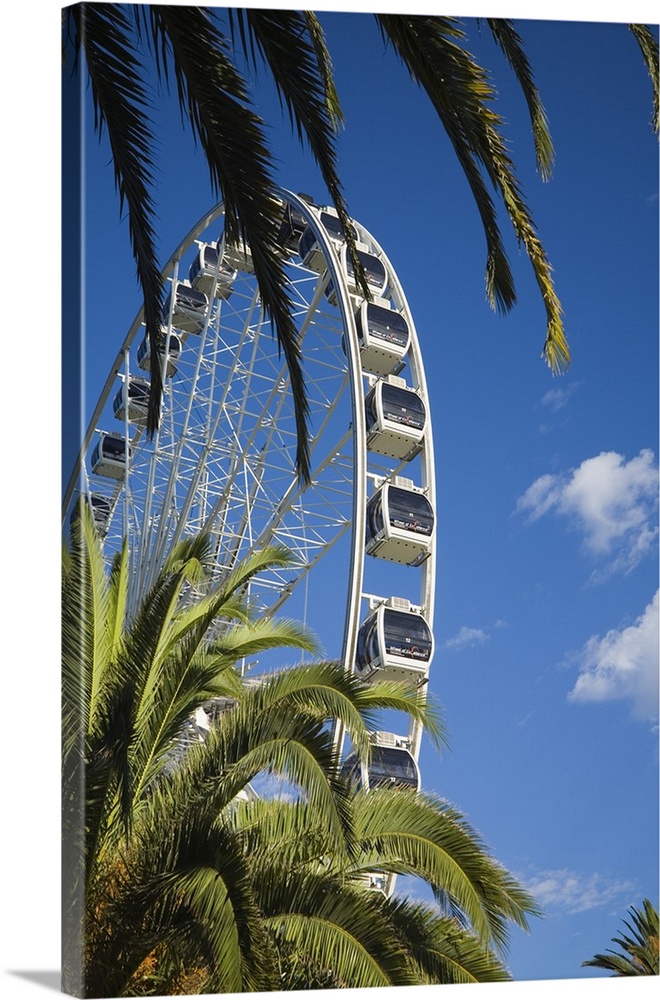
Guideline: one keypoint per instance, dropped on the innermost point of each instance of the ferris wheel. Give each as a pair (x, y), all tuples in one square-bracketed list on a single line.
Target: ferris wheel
[(362, 533)]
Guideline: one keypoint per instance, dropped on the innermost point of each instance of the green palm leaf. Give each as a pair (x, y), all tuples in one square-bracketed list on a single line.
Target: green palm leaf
[(282, 831), (422, 945), (442, 951), (339, 930), (118, 594), (254, 637), (214, 99), (304, 759), (317, 39), (85, 648), (421, 835), (511, 44), (343, 697), (121, 109)]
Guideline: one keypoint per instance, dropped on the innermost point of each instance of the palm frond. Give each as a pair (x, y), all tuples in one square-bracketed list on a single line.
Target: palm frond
[(293, 46), (510, 42), (421, 835), (118, 596), (266, 633), (317, 39), (304, 758), (283, 832), (268, 557), (225, 600), (341, 696), (457, 88), (84, 642), (649, 47), (441, 950), (401, 697), (121, 109), (149, 640), (339, 930), (191, 675), (184, 668), (185, 683), (214, 99), (193, 555)]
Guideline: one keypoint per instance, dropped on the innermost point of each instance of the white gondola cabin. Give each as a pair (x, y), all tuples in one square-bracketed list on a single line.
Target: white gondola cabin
[(211, 274), (394, 643), (189, 308), (384, 338), (174, 348), (392, 765), (292, 227), (376, 881), (309, 248), (109, 455), (101, 508), (374, 270), (396, 418), (133, 395), (239, 257), (400, 523)]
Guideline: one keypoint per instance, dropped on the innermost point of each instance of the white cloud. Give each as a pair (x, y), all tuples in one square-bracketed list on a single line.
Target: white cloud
[(623, 664), (571, 892), (467, 637), (557, 399), (544, 494), (610, 500)]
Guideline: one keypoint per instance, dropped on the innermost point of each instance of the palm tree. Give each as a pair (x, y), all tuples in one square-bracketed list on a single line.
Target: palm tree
[(173, 882), (189, 46), (129, 690), (640, 956)]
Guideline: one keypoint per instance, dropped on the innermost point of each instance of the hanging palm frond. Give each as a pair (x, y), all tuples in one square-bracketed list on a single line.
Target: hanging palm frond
[(649, 48)]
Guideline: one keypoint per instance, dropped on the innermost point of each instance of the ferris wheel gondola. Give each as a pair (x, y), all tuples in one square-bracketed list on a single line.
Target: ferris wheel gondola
[(109, 458), (395, 643), (400, 523), (210, 273), (383, 336), (132, 401), (396, 418), (186, 308), (391, 764), (168, 346)]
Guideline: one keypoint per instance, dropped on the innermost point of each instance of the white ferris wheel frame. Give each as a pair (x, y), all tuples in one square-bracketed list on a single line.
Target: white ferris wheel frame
[(358, 384)]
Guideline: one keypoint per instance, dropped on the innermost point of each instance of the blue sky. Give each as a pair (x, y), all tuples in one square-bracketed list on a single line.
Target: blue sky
[(546, 627)]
